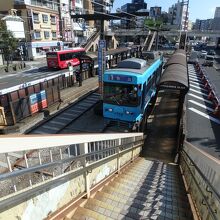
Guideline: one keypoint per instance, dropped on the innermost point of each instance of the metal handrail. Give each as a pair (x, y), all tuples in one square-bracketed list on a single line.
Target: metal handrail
[(33, 169), (203, 176), (198, 185)]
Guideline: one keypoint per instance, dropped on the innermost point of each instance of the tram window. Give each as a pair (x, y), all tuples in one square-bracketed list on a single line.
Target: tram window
[(144, 94), (120, 94)]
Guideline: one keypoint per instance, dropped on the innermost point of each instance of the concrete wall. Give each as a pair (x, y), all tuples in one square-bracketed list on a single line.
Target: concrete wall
[(39, 206)]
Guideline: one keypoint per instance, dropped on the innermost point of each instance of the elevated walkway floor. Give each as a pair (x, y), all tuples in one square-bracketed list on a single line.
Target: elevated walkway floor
[(160, 143), (151, 187)]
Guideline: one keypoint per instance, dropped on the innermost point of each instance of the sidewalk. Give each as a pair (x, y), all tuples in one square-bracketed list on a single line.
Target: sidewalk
[(28, 65)]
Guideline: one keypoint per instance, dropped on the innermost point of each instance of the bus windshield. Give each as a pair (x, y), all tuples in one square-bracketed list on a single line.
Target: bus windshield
[(121, 94), (52, 55)]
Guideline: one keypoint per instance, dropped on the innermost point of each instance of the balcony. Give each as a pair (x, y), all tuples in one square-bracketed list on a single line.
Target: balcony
[(45, 4)]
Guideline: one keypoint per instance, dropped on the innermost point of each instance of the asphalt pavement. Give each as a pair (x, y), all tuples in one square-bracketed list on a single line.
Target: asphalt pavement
[(202, 125)]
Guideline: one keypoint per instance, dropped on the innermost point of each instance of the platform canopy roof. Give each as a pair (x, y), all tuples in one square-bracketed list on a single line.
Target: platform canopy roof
[(179, 57), (175, 76)]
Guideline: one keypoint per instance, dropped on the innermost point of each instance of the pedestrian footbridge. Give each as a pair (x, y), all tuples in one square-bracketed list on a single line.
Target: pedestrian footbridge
[(104, 176)]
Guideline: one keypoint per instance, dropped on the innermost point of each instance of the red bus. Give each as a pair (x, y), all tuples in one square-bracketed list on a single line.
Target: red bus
[(63, 58)]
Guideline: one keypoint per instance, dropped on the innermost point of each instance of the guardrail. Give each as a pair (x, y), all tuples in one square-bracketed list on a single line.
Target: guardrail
[(58, 168), (202, 175), (214, 96)]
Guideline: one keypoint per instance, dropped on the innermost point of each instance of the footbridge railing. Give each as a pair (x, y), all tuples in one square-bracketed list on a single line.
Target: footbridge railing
[(202, 174), (42, 174)]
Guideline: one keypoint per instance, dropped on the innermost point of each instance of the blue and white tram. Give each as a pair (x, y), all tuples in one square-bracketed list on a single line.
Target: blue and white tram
[(129, 88)]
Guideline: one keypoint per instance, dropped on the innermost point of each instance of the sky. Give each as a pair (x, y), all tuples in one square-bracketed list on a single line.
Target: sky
[(197, 9)]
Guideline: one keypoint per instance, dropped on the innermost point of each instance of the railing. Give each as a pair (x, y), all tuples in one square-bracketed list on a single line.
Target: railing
[(202, 174), (91, 40), (60, 166), (213, 95)]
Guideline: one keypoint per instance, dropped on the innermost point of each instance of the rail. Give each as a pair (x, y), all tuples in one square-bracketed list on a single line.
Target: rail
[(213, 93), (76, 164), (202, 175)]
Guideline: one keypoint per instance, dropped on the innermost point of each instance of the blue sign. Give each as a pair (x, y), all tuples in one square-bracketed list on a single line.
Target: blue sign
[(101, 63), (41, 96), (120, 78), (33, 99)]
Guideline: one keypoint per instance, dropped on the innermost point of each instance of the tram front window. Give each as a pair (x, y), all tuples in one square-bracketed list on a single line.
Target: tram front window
[(120, 94)]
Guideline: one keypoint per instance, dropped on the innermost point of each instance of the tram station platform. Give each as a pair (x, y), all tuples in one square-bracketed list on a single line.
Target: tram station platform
[(68, 96), (202, 126)]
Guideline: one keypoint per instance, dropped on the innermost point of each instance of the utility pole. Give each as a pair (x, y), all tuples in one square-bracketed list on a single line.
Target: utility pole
[(183, 30), (60, 23)]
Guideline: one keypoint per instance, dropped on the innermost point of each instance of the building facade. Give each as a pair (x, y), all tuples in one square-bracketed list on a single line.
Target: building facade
[(179, 15), (130, 8), (41, 25), (155, 12), (217, 12)]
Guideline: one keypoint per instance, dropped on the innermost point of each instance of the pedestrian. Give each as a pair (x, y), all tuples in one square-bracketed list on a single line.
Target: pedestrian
[(78, 77)]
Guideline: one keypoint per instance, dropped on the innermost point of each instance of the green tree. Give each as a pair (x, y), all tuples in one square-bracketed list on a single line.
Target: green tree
[(8, 43), (153, 24)]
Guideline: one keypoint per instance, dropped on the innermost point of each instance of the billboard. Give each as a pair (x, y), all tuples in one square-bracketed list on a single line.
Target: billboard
[(17, 28)]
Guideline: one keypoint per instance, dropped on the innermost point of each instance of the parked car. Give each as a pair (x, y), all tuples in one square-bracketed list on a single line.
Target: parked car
[(203, 54), (209, 60), (211, 52), (193, 57)]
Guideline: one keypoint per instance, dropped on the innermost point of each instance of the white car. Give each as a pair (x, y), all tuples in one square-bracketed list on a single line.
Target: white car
[(203, 54)]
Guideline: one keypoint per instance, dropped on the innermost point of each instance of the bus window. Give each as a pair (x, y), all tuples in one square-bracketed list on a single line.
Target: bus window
[(52, 55)]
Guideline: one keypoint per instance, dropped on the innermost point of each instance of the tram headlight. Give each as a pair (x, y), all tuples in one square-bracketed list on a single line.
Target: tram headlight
[(129, 113), (110, 109)]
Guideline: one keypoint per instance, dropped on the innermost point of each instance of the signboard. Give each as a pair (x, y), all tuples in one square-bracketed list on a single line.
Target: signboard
[(38, 101), (120, 78), (16, 27), (33, 103), (101, 63)]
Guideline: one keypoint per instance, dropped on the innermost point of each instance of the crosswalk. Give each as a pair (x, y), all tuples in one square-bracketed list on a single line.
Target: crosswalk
[(198, 101)]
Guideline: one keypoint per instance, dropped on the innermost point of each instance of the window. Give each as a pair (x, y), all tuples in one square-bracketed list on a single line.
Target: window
[(46, 34), (67, 56), (54, 34), (121, 94), (53, 19), (77, 10), (37, 35), (36, 17), (45, 18)]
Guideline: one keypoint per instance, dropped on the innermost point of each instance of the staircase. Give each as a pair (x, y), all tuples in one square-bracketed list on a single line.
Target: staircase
[(146, 190), (92, 41), (149, 41)]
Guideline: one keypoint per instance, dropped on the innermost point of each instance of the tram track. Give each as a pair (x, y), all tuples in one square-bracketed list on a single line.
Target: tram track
[(60, 120)]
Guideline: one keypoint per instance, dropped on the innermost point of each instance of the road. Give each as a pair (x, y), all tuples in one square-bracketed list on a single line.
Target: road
[(202, 126), (37, 70)]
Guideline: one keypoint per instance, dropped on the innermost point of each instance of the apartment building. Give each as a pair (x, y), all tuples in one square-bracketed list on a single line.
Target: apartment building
[(65, 24), (179, 15), (41, 25)]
